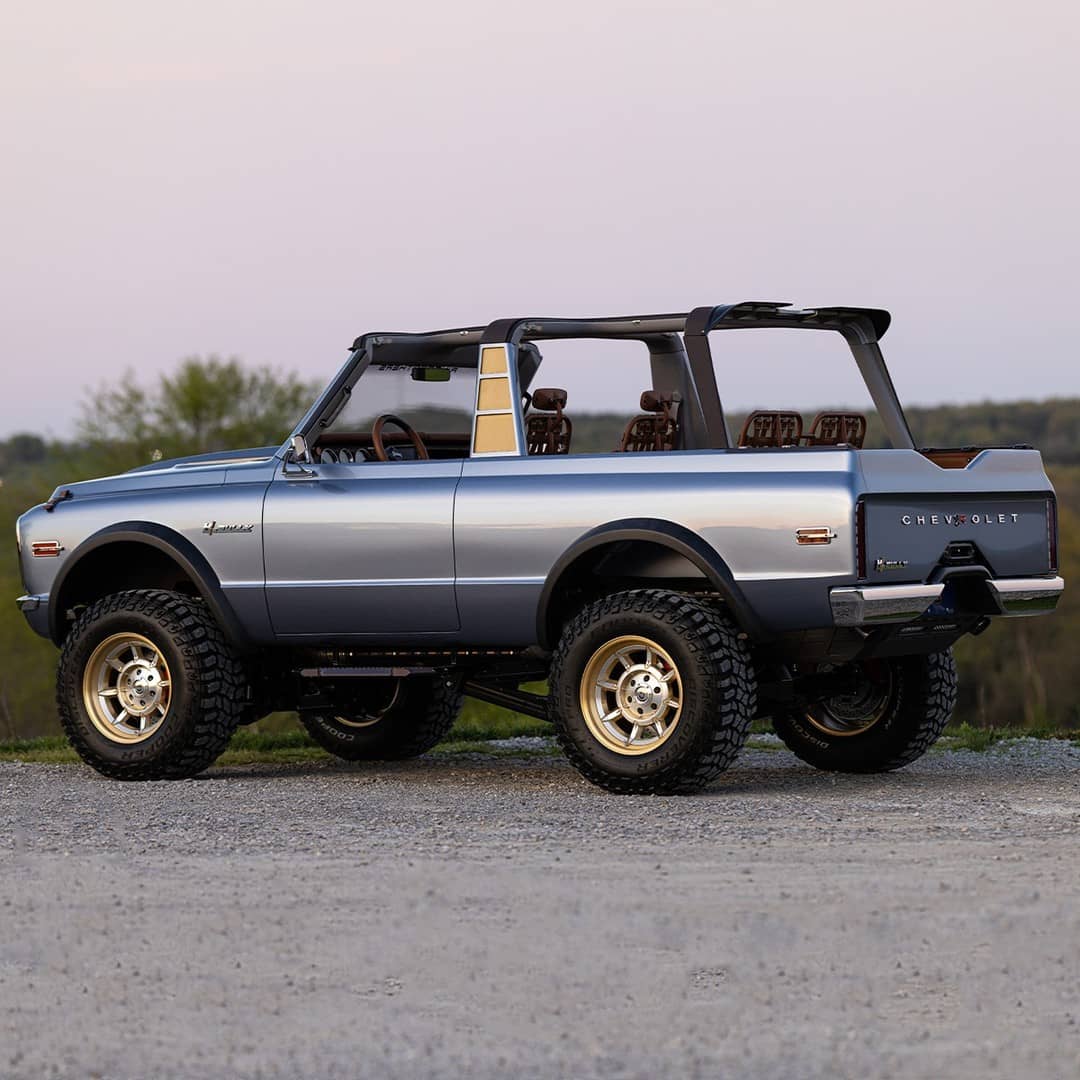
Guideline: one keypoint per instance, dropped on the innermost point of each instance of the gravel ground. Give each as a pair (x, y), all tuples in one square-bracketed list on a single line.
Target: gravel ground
[(493, 915)]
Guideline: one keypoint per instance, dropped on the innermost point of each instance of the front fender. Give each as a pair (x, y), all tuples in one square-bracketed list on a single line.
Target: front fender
[(163, 539)]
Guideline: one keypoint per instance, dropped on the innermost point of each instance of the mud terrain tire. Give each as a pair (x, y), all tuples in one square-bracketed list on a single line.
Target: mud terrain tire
[(207, 688), (421, 715), (689, 646), (920, 702)]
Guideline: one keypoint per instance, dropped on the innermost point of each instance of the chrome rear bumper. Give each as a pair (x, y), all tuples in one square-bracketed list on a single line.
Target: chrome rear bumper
[(873, 605), (1026, 596)]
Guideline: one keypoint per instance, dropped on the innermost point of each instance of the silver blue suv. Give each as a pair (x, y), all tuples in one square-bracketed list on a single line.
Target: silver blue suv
[(432, 530)]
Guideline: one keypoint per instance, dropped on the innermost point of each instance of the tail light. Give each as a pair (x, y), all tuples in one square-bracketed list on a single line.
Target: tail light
[(860, 539), (1052, 531)]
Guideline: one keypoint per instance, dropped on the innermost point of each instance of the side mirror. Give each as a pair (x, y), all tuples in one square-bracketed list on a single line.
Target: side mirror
[(300, 449), (297, 459)]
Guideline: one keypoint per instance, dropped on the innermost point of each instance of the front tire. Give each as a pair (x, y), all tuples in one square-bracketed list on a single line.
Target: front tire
[(403, 718), (652, 692), (148, 688), (896, 711)]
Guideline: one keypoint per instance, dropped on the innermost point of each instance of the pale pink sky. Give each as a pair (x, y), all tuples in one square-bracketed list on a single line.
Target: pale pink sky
[(271, 179)]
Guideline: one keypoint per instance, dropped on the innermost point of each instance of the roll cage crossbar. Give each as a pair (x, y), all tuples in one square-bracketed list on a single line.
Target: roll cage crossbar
[(685, 334)]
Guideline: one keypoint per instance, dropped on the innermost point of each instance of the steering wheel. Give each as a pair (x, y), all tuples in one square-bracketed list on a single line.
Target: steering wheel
[(377, 439)]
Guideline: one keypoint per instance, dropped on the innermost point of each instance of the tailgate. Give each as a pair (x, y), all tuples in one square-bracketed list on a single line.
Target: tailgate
[(998, 513)]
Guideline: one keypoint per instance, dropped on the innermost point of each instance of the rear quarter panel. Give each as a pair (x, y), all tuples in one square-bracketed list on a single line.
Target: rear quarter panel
[(514, 518)]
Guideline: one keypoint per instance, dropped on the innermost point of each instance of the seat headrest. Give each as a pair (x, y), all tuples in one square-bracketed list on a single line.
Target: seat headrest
[(652, 401), (549, 399)]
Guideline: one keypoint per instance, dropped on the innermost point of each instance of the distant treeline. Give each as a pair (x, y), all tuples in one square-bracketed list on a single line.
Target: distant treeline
[(1051, 426)]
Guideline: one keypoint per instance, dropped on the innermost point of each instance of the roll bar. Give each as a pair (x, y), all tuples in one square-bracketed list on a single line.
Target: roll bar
[(862, 328)]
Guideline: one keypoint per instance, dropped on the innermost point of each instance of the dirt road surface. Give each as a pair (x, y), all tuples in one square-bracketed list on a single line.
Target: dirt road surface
[(489, 917)]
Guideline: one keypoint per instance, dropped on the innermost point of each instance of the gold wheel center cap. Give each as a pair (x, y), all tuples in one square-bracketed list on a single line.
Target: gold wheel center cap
[(139, 688), (642, 693)]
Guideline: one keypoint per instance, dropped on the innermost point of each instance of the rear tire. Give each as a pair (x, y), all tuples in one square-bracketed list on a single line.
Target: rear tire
[(652, 692), (408, 720), (916, 700), (148, 688)]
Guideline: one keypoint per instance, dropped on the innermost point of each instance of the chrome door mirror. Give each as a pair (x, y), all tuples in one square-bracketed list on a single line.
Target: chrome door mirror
[(297, 459), (300, 451)]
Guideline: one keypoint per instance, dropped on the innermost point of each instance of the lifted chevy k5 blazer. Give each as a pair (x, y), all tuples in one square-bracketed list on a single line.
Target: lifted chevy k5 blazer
[(429, 531)]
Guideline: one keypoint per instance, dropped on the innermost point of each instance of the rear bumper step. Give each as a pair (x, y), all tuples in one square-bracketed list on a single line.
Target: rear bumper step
[(1026, 596), (874, 605)]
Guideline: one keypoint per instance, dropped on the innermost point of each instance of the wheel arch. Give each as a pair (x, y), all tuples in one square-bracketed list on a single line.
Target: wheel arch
[(637, 540), (100, 566)]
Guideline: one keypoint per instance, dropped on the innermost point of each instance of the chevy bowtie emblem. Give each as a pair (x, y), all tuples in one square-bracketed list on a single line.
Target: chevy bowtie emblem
[(212, 527)]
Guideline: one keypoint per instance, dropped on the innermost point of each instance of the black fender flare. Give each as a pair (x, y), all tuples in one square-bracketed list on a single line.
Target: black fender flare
[(677, 538), (190, 559)]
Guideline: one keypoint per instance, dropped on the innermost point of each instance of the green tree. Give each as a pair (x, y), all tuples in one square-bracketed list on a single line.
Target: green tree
[(208, 404)]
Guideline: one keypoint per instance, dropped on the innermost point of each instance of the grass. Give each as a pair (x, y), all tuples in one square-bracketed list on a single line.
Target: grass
[(279, 740), (966, 737), (478, 725), (50, 750)]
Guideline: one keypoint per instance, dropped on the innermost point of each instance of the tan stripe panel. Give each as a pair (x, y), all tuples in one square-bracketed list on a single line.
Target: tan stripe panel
[(494, 394), (495, 434), (493, 360)]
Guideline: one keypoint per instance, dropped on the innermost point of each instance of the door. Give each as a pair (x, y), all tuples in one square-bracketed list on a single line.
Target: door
[(362, 550)]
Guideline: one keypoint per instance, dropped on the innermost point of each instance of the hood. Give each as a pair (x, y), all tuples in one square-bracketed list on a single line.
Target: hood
[(214, 457), (193, 471)]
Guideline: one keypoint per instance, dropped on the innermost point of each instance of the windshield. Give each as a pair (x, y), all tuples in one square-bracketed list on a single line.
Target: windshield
[(430, 398)]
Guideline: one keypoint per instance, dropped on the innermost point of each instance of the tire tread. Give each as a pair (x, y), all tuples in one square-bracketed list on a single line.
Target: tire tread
[(414, 730), (218, 674), (730, 689), (927, 688)]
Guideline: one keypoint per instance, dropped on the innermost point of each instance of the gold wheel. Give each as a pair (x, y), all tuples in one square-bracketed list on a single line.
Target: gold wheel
[(631, 695), (354, 722), (127, 688), (369, 719), (859, 709)]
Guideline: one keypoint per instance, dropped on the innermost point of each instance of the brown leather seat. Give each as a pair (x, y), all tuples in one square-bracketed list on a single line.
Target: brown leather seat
[(657, 428), (547, 430), (837, 429), (763, 428)]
